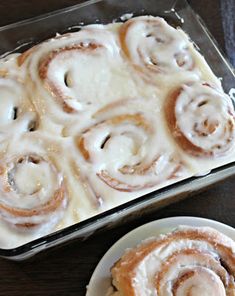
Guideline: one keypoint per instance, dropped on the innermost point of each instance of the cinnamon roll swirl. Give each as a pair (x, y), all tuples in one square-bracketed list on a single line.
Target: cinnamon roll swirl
[(72, 70), (188, 261), (154, 47), (124, 149), (32, 189), (201, 119)]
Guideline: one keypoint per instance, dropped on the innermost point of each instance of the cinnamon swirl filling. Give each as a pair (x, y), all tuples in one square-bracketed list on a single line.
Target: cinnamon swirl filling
[(154, 47), (125, 152), (71, 67), (32, 191), (201, 119)]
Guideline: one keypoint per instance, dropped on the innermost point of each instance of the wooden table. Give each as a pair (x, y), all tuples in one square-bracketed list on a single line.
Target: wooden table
[(66, 271)]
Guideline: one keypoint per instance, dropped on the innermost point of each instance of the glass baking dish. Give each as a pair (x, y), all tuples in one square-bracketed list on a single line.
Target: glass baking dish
[(20, 36)]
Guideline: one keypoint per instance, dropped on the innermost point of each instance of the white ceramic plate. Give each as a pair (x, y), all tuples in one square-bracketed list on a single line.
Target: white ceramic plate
[(101, 279)]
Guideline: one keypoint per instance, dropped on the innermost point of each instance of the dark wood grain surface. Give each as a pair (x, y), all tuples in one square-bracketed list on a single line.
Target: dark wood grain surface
[(66, 271)]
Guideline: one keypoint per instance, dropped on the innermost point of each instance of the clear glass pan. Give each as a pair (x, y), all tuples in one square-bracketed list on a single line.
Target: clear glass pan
[(20, 36)]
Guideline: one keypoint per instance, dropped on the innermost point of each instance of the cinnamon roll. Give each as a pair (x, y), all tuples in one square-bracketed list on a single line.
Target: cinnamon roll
[(188, 261), (32, 188), (17, 114), (124, 149), (72, 71), (154, 47), (201, 119)]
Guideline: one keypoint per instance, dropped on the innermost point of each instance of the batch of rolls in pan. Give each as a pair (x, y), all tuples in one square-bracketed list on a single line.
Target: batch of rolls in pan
[(93, 119)]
